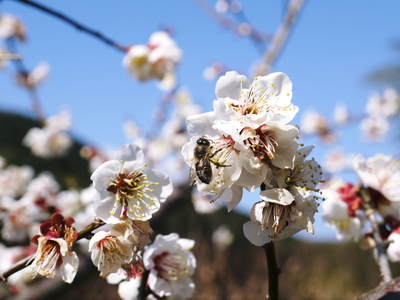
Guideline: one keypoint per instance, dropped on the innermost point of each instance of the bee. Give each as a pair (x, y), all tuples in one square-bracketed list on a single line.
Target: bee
[(203, 158)]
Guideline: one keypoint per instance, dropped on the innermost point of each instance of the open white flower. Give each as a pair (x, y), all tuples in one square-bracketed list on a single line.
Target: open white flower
[(288, 202), (137, 63), (171, 265), (336, 161), (111, 249), (13, 180), (336, 213), (214, 161), (374, 128), (52, 255), (51, 140), (393, 250), (341, 114), (386, 105), (380, 172), (34, 78), (279, 215), (157, 59), (11, 27), (128, 188), (129, 289), (267, 99)]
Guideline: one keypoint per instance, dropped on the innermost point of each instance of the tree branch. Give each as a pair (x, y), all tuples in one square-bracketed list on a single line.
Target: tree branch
[(23, 72), (84, 233), (258, 38), (75, 24), (381, 257), (280, 38), (273, 271)]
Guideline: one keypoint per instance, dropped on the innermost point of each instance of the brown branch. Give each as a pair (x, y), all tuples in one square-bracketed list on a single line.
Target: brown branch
[(84, 233), (280, 37), (22, 73), (273, 271), (74, 23), (381, 257), (257, 37)]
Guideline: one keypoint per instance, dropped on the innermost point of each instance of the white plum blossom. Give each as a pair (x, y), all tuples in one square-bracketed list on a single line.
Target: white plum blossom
[(393, 250), (213, 71), (313, 122), (335, 214), (11, 27), (341, 114), (288, 202), (111, 249), (69, 202), (14, 180), (247, 142), (51, 140), (247, 128), (222, 237), (157, 59), (137, 62), (385, 105), (374, 128), (380, 172), (17, 217), (129, 289), (54, 255), (50, 251), (171, 265), (128, 188), (34, 78), (336, 161)]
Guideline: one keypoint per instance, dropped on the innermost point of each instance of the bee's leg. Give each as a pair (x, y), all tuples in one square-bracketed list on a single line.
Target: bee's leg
[(218, 164), (215, 152)]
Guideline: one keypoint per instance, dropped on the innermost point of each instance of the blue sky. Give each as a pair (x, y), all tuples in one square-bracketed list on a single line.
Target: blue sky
[(333, 47)]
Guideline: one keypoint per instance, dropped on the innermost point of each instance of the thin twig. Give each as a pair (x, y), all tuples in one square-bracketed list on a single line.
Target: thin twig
[(381, 257), (257, 37), (23, 72), (280, 37), (273, 271), (75, 24), (84, 233), (143, 288)]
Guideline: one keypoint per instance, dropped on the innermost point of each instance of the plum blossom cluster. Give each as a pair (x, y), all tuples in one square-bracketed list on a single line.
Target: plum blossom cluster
[(380, 109), (167, 267), (11, 30), (374, 124), (126, 193), (51, 140), (247, 142), (26, 202), (349, 207), (155, 60), (130, 193)]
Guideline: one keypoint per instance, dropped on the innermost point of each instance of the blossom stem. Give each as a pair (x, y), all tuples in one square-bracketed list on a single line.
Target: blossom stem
[(280, 38), (74, 23), (381, 258), (84, 233), (273, 271), (143, 288), (22, 71)]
